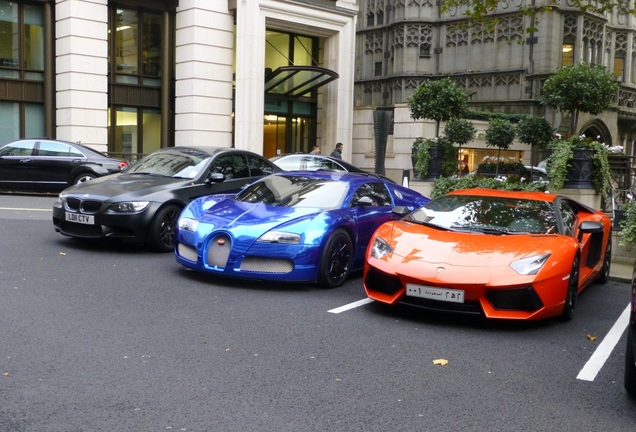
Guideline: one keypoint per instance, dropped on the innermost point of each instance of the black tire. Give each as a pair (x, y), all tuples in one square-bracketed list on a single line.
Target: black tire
[(336, 260), (630, 367), (162, 228), (572, 291), (607, 262), (84, 177)]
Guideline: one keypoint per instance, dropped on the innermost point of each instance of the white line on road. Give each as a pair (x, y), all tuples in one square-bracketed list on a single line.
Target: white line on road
[(350, 306), (24, 209), (605, 348)]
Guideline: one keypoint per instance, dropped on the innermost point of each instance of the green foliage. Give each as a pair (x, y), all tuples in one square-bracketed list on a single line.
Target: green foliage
[(421, 149), (500, 133), (628, 226), (535, 131), (459, 130), (580, 88), (562, 153), (444, 185), (438, 100)]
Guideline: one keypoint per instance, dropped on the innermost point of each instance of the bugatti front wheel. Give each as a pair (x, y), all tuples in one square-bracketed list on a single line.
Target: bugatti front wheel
[(336, 260)]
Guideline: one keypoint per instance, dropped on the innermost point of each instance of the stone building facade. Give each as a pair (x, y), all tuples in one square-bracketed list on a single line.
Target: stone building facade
[(403, 43)]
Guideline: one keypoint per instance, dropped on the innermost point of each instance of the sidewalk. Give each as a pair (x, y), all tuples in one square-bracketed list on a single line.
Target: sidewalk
[(621, 271)]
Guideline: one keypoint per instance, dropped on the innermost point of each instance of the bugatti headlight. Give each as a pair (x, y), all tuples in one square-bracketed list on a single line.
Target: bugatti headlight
[(530, 265), (279, 237), (188, 224), (380, 248), (129, 207)]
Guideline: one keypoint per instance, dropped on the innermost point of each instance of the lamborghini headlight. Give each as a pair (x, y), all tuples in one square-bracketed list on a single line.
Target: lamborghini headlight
[(380, 248), (188, 224), (279, 237), (530, 265), (129, 207)]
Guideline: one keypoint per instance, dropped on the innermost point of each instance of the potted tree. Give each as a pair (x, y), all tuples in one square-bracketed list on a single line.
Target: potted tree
[(500, 134), (537, 132), (573, 89), (438, 100), (459, 131)]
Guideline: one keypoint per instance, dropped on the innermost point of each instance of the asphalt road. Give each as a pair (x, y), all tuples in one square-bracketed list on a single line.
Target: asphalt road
[(103, 337)]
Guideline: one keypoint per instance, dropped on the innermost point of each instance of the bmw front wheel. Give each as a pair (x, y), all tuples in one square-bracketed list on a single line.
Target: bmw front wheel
[(162, 228)]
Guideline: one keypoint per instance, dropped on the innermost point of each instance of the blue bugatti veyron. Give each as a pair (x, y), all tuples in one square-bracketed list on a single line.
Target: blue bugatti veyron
[(292, 226)]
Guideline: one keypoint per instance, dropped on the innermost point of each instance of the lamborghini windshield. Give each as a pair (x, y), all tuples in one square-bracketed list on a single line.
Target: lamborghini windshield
[(490, 215)]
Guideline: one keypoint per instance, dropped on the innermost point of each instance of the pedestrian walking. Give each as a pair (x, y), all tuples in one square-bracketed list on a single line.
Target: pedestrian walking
[(337, 152)]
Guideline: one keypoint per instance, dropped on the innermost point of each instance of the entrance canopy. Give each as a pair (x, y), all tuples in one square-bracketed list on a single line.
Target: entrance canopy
[(297, 80)]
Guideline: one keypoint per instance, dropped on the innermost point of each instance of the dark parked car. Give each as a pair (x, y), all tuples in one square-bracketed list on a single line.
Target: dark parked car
[(315, 162), (142, 204), (43, 165), (630, 353)]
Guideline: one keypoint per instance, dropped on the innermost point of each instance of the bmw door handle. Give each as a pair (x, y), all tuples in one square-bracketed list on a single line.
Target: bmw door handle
[(25, 160)]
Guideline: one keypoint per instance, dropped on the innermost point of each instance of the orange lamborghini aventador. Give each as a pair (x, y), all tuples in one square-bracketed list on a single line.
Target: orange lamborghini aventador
[(500, 254)]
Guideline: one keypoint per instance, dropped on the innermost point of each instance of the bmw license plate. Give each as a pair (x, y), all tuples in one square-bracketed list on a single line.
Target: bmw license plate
[(80, 218), (432, 293)]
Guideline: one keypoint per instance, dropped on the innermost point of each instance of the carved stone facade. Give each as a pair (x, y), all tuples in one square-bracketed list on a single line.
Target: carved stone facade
[(502, 65)]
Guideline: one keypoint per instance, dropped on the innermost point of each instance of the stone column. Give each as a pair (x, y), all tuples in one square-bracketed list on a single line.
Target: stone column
[(81, 44), (203, 87)]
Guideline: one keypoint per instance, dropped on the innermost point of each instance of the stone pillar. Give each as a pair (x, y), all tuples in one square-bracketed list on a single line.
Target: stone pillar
[(203, 87), (82, 71), (250, 76)]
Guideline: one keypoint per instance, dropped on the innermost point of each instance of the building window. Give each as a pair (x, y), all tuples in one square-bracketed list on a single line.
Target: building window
[(619, 68), (137, 47), (567, 54), (377, 69), (22, 70), (137, 132)]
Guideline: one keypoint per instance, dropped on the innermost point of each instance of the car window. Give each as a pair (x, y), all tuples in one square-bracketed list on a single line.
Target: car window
[(179, 165), (289, 163), (376, 191), (258, 166), (231, 166), (568, 216), (22, 148), (48, 148)]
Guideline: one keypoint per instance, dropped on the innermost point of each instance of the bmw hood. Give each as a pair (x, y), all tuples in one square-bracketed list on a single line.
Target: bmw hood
[(118, 187)]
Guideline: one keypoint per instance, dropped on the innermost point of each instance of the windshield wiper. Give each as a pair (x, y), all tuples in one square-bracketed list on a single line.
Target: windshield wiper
[(484, 230)]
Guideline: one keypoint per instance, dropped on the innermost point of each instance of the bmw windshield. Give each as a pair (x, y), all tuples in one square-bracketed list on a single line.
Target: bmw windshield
[(489, 215), (172, 164)]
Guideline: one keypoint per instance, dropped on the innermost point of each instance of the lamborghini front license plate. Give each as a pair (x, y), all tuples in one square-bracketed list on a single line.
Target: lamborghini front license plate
[(432, 293)]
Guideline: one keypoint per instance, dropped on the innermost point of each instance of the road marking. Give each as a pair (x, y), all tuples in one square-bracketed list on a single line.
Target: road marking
[(605, 348), (24, 209), (350, 306)]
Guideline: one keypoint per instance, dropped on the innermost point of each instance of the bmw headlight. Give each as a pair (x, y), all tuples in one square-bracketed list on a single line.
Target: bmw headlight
[(530, 265), (380, 248), (129, 207), (188, 224), (280, 237), (59, 202)]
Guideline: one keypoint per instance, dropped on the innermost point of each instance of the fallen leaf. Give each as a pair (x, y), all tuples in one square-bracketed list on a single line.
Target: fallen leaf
[(62, 253), (338, 379), (592, 338), (441, 362), (5, 373)]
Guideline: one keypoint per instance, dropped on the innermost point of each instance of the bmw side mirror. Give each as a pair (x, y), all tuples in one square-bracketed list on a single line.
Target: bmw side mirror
[(215, 178)]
